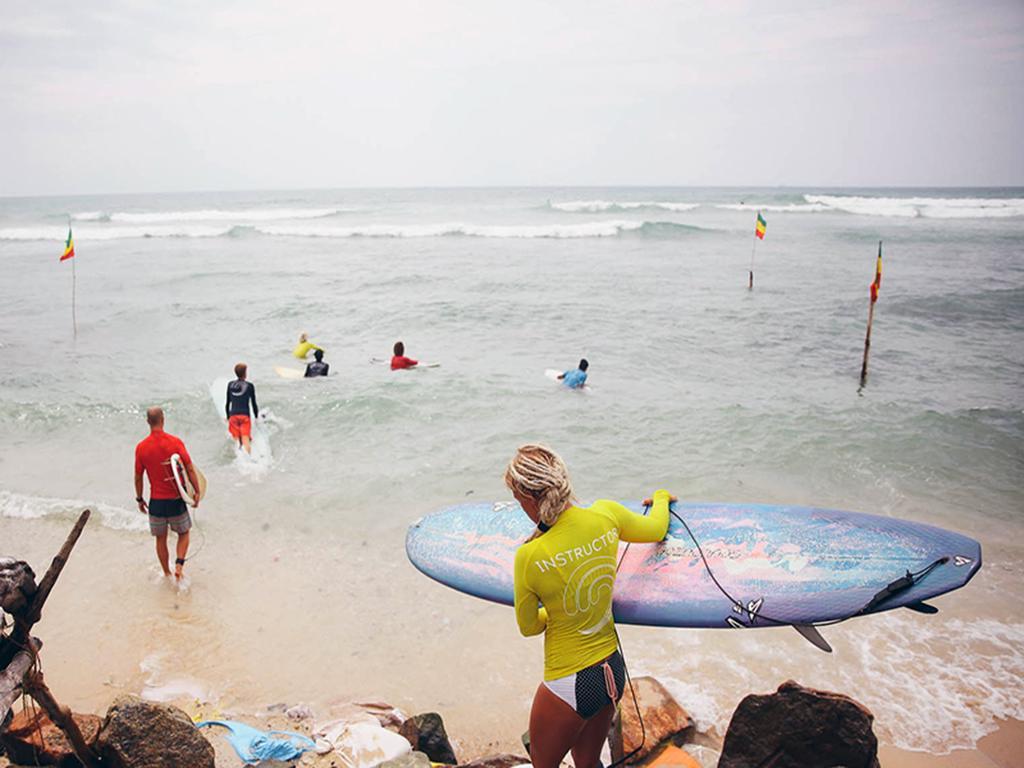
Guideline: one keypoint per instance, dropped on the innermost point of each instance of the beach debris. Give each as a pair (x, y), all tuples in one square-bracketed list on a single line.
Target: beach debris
[(797, 726), (254, 746), (387, 715), (142, 734), (426, 733), (505, 760), (359, 740), (671, 756), (299, 712), (409, 760), (663, 718), (33, 739), (19, 669)]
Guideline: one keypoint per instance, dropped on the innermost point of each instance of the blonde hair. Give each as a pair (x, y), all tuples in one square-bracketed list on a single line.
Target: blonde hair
[(539, 472)]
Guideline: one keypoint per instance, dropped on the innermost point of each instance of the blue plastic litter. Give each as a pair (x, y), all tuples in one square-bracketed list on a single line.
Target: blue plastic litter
[(254, 746)]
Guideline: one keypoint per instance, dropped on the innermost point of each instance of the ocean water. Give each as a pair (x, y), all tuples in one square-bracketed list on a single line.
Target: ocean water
[(300, 590)]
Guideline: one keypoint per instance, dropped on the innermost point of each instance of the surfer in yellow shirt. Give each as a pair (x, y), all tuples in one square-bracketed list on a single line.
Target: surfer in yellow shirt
[(303, 347), (564, 577)]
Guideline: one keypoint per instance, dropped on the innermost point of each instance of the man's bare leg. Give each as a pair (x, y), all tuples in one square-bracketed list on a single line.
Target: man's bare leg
[(182, 551), (161, 552), (247, 444)]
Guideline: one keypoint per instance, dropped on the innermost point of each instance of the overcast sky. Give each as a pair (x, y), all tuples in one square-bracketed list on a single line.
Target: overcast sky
[(129, 96)]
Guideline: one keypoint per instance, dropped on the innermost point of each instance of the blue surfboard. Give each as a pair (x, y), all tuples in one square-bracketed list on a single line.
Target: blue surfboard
[(779, 564)]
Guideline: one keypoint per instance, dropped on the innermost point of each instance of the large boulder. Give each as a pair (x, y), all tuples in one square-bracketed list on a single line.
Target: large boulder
[(142, 734), (663, 718), (33, 739), (798, 727), (426, 734)]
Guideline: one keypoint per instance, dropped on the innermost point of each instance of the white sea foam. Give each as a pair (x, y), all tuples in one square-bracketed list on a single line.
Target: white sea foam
[(90, 216), (926, 207), (113, 233), (601, 206), (236, 215), (590, 229), (31, 507), (789, 208)]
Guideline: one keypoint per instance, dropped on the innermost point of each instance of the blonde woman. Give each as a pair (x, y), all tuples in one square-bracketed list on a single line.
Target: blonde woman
[(564, 576)]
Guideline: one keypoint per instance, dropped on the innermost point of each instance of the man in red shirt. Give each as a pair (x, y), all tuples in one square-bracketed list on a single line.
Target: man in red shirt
[(166, 508), (400, 361)]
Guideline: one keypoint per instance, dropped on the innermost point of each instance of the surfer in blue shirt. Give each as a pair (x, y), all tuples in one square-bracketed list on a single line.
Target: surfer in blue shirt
[(575, 379), (318, 367)]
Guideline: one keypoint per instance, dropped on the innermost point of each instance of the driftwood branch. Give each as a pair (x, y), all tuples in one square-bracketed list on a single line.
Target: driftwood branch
[(12, 677), (61, 717)]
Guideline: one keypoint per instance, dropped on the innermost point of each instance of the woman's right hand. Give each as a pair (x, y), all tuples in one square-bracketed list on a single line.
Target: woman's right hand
[(650, 502)]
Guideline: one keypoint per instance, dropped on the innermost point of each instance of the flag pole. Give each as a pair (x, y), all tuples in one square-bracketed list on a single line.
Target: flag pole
[(750, 284), (74, 318), (871, 317)]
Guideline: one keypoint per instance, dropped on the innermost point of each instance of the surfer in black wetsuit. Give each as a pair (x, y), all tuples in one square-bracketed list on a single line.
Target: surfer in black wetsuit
[(240, 394), (317, 367)]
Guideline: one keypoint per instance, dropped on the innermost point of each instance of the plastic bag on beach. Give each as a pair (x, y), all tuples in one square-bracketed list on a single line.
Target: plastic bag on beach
[(362, 742)]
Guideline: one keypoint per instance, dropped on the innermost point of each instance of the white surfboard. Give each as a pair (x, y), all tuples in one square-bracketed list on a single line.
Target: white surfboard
[(181, 479), (289, 373), (553, 374)]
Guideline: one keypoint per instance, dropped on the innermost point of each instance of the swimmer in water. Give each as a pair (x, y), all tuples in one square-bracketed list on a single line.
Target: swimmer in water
[(576, 378), (303, 347), (400, 361), (318, 367)]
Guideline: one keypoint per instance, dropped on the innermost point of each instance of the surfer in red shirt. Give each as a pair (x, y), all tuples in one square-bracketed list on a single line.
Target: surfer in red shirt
[(166, 509), (400, 361)]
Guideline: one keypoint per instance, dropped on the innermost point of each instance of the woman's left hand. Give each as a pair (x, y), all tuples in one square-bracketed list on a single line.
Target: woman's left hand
[(649, 501)]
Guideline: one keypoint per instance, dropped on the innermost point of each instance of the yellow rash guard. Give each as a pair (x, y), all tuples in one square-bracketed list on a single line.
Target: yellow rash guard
[(564, 580), (302, 349)]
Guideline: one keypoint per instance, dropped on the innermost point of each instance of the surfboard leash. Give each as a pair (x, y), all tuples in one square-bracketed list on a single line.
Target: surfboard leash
[(894, 587)]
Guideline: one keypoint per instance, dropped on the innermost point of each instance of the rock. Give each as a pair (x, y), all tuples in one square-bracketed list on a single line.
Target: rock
[(798, 727), (32, 739), (408, 760), (426, 733), (662, 716), (498, 761), (299, 712), (141, 734)]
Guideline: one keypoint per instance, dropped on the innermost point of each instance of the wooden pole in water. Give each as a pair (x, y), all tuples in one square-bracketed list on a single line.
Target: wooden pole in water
[(74, 317)]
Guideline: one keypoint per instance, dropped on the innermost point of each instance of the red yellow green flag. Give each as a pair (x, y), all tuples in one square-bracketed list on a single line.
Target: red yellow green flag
[(69, 247), (761, 226), (877, 284)]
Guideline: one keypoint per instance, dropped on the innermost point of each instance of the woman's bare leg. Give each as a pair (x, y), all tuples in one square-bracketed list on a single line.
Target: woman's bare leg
[(554, 729), (587, 750)]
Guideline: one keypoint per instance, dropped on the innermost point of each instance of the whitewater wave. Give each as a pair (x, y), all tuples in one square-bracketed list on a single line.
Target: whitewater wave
[(788, 208), (924, 207), (90, 216), (217, 214), (603, 206), (612, 228), (26, 507)]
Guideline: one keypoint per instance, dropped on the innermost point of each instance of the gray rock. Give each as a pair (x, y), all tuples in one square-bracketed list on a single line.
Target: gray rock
[(426, 733), (141, 734), (408, 760), (798, 727)]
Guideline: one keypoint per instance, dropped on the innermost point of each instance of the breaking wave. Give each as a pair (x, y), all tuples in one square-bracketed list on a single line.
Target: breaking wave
[(559, 231), (924, 207), (603, 206), (788, 208), (32, 507)]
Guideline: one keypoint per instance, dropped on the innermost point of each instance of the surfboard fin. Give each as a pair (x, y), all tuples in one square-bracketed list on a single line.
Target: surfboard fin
[(922, 607), (811, 634)]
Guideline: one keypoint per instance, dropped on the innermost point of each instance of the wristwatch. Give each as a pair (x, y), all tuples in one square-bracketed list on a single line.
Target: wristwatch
[(139, 499)]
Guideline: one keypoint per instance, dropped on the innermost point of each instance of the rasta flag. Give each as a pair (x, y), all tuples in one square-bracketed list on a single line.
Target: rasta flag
[(69, 247), (877, 284), (760, 227)]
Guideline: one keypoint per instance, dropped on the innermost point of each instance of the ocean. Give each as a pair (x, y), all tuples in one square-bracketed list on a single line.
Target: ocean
[(300, 589)]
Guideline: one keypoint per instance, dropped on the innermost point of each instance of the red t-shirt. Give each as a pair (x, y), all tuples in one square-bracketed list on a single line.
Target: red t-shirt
[(401, 361), (154, 456)]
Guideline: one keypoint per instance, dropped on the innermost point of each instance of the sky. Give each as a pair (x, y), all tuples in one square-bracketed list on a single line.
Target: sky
[(137, 96)]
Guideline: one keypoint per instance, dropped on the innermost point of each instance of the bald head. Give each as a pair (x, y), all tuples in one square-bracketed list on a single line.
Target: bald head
[(155, 416)]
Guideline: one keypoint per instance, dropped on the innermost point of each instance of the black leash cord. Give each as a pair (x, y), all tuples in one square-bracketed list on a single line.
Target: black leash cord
[(904, 582)]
